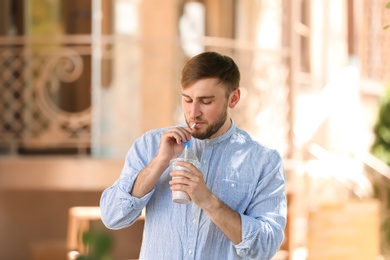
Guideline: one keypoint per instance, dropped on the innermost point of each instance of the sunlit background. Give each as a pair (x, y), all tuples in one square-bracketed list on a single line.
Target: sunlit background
[(81, 80)]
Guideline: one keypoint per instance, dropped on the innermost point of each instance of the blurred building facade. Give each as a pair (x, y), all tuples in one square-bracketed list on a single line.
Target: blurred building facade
[(80, 80), (83, 79)]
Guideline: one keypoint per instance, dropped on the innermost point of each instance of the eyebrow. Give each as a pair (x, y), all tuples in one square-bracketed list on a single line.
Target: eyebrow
[(201, 97)]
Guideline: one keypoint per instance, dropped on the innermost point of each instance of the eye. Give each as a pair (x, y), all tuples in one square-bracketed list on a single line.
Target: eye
[(187, 100), (207, 102)]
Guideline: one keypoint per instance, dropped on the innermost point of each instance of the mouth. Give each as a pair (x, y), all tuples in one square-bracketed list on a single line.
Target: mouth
[(196, 125)]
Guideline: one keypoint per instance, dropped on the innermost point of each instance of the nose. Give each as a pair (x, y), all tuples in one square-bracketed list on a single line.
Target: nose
[(195, 110)]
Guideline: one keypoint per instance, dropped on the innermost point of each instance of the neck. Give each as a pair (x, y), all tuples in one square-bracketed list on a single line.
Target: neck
[(224, 128)]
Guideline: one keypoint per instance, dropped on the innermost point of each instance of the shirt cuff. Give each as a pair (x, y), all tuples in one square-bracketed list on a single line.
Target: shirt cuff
[(130, 202), (249, 230)]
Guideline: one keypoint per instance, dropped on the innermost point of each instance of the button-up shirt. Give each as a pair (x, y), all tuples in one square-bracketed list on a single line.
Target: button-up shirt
[(244, 174)]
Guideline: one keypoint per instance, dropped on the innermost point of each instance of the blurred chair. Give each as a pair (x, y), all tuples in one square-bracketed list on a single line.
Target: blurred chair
[(127, 242), (79, 221)]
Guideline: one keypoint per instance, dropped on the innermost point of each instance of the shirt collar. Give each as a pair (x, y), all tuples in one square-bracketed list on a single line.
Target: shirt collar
[(220, 138)]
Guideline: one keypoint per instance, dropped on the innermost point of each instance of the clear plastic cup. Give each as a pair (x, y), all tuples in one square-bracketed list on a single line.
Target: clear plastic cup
[(179, 196)]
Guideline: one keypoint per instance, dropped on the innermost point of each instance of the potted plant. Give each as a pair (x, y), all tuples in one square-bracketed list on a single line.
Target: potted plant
[(381, 150), (98, 246)]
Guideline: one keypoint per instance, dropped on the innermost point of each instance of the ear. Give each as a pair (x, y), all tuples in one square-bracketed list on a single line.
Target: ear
[(234, 98)]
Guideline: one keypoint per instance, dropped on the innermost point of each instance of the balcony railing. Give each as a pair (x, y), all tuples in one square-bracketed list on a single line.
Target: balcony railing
[(41, 81), (46, 89)]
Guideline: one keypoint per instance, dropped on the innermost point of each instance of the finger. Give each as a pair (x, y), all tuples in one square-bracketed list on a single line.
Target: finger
[(184, 177), (191, 168), (173, 135), (179, 134), (185, 133), (180, 182), (181, 174), (180, 187)]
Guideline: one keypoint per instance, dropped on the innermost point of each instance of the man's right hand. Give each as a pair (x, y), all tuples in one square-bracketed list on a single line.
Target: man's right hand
[(171, 145), (172, 142)]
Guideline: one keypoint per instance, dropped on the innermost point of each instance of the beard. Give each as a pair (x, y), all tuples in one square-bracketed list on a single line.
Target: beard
[(213, 128)]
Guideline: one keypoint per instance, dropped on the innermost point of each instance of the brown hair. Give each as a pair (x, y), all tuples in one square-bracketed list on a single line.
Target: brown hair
[(211, 65)]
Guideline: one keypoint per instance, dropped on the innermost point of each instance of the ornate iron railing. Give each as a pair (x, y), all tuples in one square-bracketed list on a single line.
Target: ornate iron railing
[(37, 112), (32, 73)]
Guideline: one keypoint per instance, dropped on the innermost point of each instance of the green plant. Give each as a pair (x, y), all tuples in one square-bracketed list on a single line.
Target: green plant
[(381, 150), (98, 245), (381, 146), (388, 7)]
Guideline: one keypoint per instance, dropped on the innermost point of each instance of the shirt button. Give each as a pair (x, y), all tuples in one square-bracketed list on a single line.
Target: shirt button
[(232, 185), (207, 141), (204, 161), (194, 220), (189, 251)]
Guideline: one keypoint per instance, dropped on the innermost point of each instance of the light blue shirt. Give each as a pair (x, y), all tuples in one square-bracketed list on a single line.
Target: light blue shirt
[(244, 174)]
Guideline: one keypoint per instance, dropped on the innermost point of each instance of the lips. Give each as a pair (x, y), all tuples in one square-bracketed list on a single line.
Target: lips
[(195, 124), (198, 124)]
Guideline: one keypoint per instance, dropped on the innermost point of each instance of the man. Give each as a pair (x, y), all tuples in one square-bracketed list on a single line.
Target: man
[(238, 208)]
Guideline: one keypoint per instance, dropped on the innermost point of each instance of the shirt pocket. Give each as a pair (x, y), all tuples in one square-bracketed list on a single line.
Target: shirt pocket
[(233, 193)]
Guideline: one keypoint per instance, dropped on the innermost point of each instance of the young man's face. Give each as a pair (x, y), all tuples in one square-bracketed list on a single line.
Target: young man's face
[(205, 104)]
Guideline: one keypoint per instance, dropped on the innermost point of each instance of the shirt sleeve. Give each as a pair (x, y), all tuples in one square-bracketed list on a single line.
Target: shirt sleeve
[(264, 221), (119, 209)]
